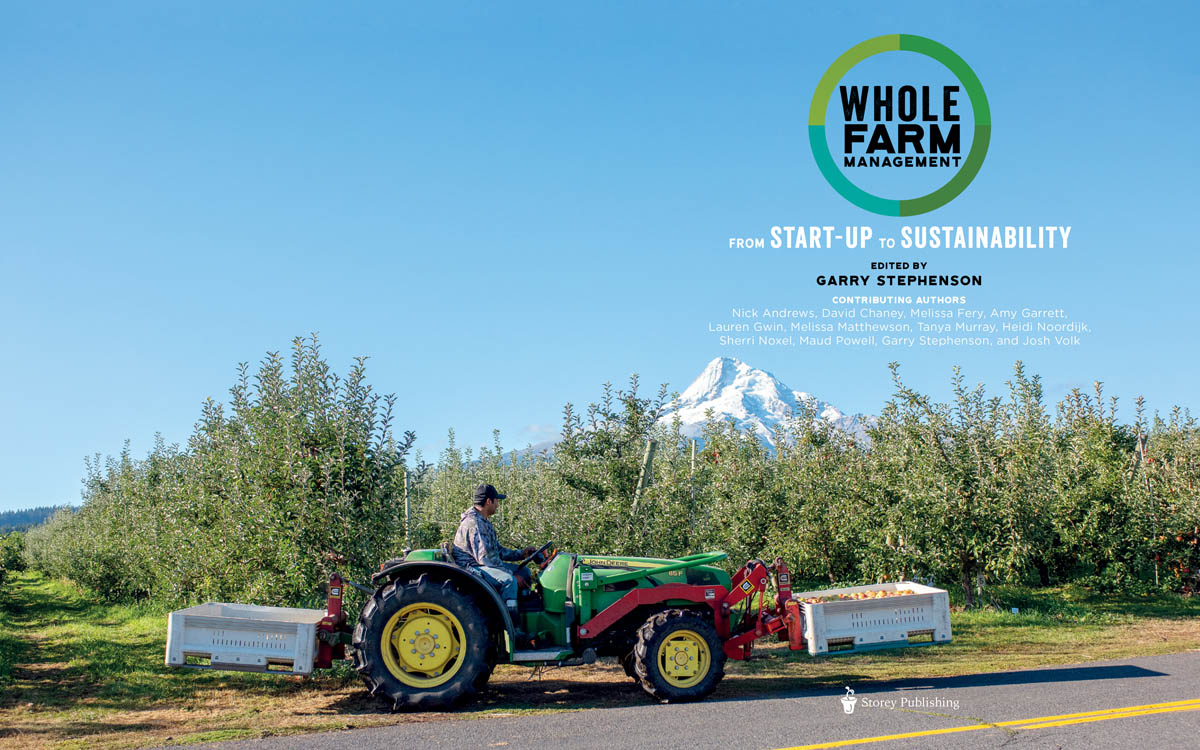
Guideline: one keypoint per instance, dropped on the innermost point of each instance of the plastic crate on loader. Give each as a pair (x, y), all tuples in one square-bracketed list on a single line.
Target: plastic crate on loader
[(909, 614), (243, 637)]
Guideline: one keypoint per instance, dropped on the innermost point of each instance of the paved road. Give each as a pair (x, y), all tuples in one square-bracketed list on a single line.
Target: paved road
[(1151, 702)]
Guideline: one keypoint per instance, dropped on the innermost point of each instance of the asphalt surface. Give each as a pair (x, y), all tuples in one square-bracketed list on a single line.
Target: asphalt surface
[(1166, 690)]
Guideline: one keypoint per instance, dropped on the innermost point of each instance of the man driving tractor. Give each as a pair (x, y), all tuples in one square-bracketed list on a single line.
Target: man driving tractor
[(477, 548)]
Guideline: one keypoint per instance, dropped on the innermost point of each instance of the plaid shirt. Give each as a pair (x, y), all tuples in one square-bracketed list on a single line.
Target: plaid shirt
[(476, 543)]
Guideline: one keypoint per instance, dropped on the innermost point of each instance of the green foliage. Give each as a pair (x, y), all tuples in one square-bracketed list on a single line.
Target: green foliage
[(832, 523), (1166, 492), (12, 553), (740, 501), (1100, 526), (299, 474), (600, 461), (964, 480)]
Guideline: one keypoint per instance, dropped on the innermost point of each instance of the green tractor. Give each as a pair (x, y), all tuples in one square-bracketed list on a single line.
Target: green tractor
[(432, 632)]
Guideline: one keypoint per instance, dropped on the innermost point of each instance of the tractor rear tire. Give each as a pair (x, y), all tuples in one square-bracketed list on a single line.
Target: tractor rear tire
[(422, 644), (678, 656)]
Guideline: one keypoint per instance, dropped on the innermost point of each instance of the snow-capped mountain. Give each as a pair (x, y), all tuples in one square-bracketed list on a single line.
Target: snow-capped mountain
[(754, 399)]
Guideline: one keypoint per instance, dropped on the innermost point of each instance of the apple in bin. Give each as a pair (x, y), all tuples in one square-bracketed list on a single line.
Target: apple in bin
[(856, 595)]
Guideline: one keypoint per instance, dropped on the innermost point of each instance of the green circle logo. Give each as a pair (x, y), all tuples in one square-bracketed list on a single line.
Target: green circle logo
[(968, 169)]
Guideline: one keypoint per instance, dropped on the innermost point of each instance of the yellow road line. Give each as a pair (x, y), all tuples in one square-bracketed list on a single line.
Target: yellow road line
[(1040, 722), (1103, 711), (1193, 707)]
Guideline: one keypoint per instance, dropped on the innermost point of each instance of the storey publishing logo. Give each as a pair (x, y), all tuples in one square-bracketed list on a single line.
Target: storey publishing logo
[(898, 137), (848, 700), (906, 702)]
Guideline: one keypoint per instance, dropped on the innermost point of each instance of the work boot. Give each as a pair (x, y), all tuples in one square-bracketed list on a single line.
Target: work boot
[(523, 640)]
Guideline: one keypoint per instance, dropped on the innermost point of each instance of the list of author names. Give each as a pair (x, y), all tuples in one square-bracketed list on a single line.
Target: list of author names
[(899, 322)]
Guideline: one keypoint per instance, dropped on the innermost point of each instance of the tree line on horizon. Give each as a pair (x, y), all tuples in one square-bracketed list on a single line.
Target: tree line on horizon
[(26, 518), (302, 474)]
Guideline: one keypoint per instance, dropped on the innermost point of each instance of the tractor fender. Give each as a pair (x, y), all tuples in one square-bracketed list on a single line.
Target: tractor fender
[(484, 594)]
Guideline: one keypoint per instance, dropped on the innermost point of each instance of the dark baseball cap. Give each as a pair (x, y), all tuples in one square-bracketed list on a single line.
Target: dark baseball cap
[(485, 492)]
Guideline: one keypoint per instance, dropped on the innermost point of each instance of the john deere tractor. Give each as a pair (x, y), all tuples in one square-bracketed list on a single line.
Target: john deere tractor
[(432, 632)]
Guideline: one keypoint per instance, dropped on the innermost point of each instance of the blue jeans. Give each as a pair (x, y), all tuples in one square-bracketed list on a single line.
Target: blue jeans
[(503, 579)]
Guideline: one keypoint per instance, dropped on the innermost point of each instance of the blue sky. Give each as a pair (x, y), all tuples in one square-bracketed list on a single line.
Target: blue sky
[(505, 206)]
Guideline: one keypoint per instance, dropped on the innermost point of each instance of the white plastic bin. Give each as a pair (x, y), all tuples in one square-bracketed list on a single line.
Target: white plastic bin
[(853, 625), (243, 637)]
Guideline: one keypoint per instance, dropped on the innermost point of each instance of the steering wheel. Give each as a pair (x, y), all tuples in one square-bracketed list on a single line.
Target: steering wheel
[(540, 550)]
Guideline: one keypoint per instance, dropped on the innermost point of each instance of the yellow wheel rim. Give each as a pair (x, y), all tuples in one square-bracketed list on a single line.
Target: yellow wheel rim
[(684, 658), (423, 645)]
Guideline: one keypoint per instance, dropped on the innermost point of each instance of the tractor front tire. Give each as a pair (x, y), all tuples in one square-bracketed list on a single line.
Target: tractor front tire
[(628, 662), (422, 644), (678, 656)]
